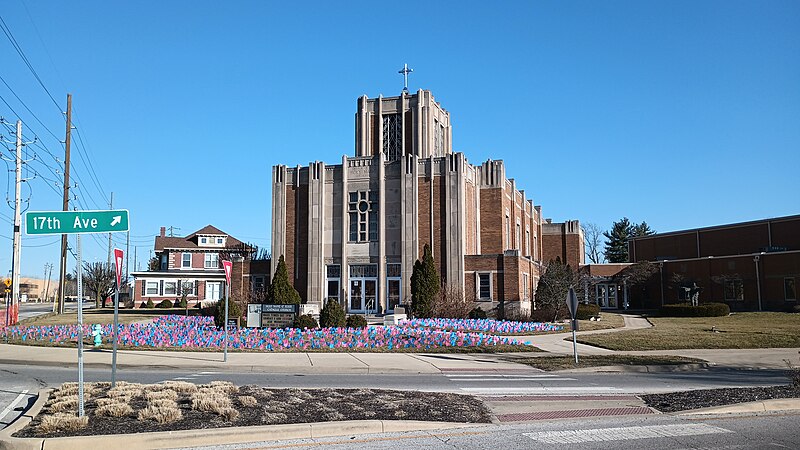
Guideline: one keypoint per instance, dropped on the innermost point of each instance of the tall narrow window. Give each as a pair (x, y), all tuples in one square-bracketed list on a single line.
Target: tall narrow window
[(789, 289), (392, 137), (734, 290), (186, 260), (525, 286), (508, 231), (518, 237), (527, 241), (484, 286), (333, 274), (363, 213)]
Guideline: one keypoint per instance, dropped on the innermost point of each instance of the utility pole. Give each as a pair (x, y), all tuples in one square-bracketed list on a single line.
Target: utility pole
[(110, 206), (48, 270), (17, 222), (62, 271), (127, 259)]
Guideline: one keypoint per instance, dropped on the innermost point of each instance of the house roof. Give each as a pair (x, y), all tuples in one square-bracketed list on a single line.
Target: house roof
[(192, 242)]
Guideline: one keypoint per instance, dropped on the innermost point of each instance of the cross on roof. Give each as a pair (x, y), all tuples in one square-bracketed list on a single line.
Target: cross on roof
[(405, 71)]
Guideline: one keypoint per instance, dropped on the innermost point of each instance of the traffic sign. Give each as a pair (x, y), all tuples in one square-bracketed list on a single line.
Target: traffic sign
[(7, 282), (227, 265), (572, 303), (70, 222)]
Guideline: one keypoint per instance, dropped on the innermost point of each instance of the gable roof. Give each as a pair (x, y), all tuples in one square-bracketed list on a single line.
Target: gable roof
[(192, 242)]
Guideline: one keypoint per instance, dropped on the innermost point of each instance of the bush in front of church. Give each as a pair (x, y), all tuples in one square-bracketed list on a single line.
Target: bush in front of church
[(425, 284), (305, 322), (356, 322), (281, 290), (234, 311), (332, 315)]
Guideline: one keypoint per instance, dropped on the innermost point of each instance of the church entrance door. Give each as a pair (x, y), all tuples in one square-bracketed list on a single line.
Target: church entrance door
[(363, 295)]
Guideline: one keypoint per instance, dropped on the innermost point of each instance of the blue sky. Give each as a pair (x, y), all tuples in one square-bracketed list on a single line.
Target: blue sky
[(680, 113)]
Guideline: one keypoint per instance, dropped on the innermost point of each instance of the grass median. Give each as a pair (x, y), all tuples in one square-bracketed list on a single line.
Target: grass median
[(739, 330)]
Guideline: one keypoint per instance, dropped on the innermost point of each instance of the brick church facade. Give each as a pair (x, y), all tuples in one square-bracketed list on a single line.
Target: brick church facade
[(352, 231)]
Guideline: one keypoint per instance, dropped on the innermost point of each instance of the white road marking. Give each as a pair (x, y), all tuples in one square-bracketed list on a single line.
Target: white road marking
[(541, 390), (512, 379), (623, 434), (500, 376), (13, 404)]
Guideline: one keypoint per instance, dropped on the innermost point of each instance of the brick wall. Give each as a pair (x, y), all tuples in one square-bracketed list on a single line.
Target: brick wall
[(492, 216)]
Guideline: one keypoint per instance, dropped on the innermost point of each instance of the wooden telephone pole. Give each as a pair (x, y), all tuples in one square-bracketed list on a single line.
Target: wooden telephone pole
[(63, 265)]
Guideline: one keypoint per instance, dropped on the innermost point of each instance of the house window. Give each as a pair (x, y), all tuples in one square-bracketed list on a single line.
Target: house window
[(258, 284), (790, 294), (363, 270), (392, 137), (169, 288), (213, 290), (484, 286), (219, 240), (152, 288), (186, 260), (363, 207), (333, 275), (188, 288), (211, 261), (525, 286), (163, 262), (203, 240), (734, 290)]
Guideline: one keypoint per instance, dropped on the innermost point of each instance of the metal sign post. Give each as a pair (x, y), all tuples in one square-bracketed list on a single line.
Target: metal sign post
[(115, 338), (572, 304), (80, 329), (227, 266)]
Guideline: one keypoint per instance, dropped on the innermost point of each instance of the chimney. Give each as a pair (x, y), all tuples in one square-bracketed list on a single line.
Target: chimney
[(163, 231)]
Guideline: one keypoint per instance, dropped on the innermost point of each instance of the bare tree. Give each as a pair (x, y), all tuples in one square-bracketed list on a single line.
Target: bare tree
[(99, 279), (592, 235)]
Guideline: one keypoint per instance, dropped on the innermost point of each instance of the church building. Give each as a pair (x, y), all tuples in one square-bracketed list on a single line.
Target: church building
[(352, 231)]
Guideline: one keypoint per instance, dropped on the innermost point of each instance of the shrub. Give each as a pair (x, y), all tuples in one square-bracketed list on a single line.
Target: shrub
[(587, 311), (702, 310), (164, 304), (281, 290), (425, 285), (451, 303), (793, 309), (332, 315), (356, 321), (150, 304), (234, 311), (182, 303), (549, 314), (477, 313), (305, 321)]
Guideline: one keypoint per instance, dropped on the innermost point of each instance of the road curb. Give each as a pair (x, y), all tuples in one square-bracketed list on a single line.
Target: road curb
[(207, 437), (655, 368), (7, 442), (773, 405)]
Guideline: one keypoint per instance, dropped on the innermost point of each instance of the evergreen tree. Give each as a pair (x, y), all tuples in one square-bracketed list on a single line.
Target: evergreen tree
[(425, 285), (643, 229), (234, 311), (617, 239), (280, 290), (332, 315), (551, 292)]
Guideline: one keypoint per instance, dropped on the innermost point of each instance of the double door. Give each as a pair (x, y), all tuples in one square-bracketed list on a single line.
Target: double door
[(363, 296)]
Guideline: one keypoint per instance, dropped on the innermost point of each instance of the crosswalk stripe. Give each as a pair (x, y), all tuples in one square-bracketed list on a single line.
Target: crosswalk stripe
[(624, 433)]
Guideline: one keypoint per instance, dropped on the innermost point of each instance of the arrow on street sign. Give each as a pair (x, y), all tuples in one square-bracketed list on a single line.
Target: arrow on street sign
[(70, 222)]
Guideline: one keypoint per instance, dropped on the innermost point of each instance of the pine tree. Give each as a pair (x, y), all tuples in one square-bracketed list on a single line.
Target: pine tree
[(280, 290), (425, 285), (643, 229), (617, 241), (234, 311)]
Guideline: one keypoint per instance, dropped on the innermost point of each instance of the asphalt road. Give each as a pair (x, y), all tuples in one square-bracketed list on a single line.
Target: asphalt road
[(634, 433)]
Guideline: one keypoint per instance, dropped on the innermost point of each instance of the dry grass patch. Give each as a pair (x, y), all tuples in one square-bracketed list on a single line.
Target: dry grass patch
[(248, 401), (740, 330), (168, 394), (115, 409), (62, 422), (160, 414), (549, 363), (181, 387)]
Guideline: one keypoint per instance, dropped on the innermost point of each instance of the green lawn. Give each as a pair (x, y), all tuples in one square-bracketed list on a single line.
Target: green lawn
[(740, 330), (101, 316)]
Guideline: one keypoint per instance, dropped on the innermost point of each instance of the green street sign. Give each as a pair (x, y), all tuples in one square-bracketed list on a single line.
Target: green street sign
[(70, 222)]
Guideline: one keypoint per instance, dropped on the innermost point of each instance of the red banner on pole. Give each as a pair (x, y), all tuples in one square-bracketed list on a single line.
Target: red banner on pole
[(118, 254), (227, 265)]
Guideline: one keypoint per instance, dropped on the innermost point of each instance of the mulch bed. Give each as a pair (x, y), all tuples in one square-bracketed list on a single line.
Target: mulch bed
[(286, 406), (687, 400)]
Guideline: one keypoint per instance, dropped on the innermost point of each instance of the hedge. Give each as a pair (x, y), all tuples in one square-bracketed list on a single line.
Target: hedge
[(355, 321), (702, 310), (305, 321), (586, 311)]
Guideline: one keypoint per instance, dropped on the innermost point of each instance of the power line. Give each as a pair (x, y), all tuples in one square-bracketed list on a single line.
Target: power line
[(27, 62)]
